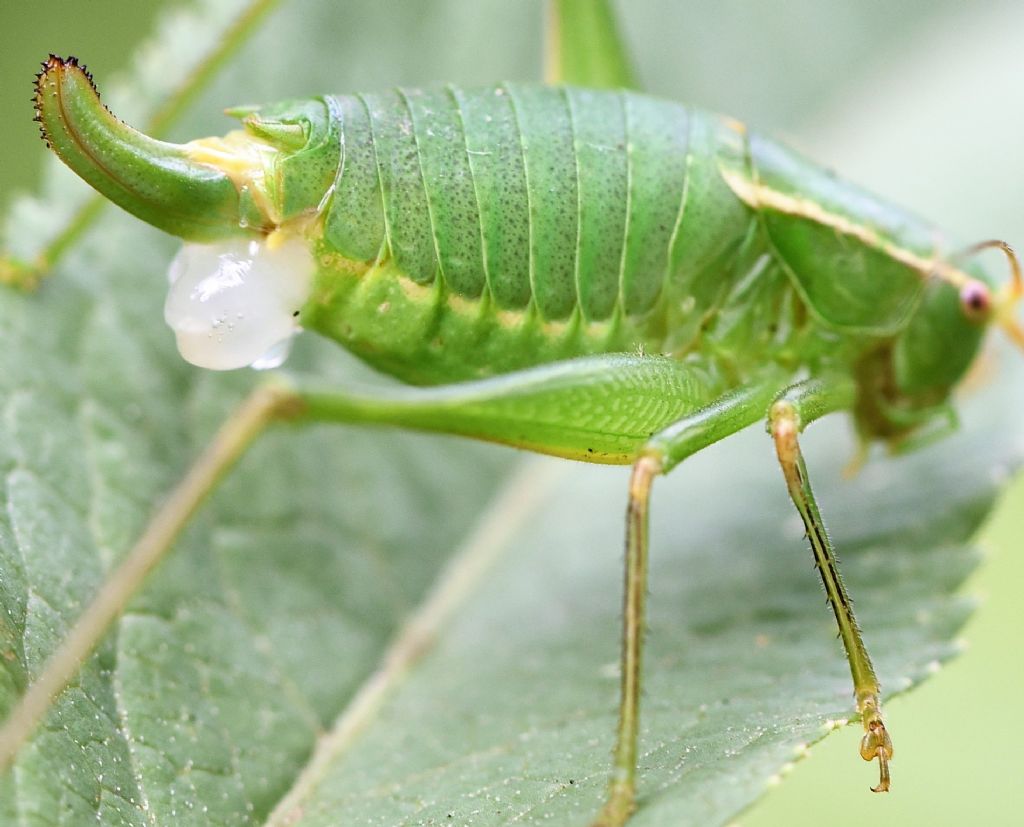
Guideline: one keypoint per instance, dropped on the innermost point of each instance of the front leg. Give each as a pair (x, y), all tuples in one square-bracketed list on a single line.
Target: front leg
[(795, 409)]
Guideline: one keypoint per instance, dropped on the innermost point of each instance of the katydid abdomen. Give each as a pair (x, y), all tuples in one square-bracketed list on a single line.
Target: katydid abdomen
[(507, 226)]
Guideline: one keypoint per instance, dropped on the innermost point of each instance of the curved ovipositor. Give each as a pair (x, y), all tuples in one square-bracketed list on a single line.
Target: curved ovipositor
[(157, 181)]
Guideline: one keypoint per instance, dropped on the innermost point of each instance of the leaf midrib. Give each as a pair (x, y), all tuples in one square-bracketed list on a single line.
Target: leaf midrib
[(521, 495)]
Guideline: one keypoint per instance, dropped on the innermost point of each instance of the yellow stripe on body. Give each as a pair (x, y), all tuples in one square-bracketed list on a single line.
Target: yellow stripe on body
[(758, 196)]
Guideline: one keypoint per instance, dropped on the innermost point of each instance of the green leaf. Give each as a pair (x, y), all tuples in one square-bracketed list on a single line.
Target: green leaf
[(245, 677)]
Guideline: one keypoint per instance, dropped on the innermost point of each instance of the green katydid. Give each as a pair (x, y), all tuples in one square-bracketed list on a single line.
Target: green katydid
[(778, 243)]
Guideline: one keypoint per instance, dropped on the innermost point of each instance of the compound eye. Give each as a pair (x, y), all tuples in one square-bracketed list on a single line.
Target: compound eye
[(976, 300)]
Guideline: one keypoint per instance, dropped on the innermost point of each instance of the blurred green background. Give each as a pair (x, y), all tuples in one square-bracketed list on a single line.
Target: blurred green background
[(918, 100)]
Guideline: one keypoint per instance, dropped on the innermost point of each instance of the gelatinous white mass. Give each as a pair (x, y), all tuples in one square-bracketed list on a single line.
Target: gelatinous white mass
[(236, 303)]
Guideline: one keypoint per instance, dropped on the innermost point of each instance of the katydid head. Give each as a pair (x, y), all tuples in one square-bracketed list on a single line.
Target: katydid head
[(982, 306), (943, 336)]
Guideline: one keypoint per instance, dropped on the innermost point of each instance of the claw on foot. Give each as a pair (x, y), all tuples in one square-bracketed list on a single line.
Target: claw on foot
[(877, 744)]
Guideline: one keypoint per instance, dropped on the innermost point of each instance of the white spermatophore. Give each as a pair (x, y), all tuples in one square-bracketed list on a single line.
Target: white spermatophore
[(236, 303)]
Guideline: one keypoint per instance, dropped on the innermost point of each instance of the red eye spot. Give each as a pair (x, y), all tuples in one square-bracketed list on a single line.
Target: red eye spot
[(976, 301)]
